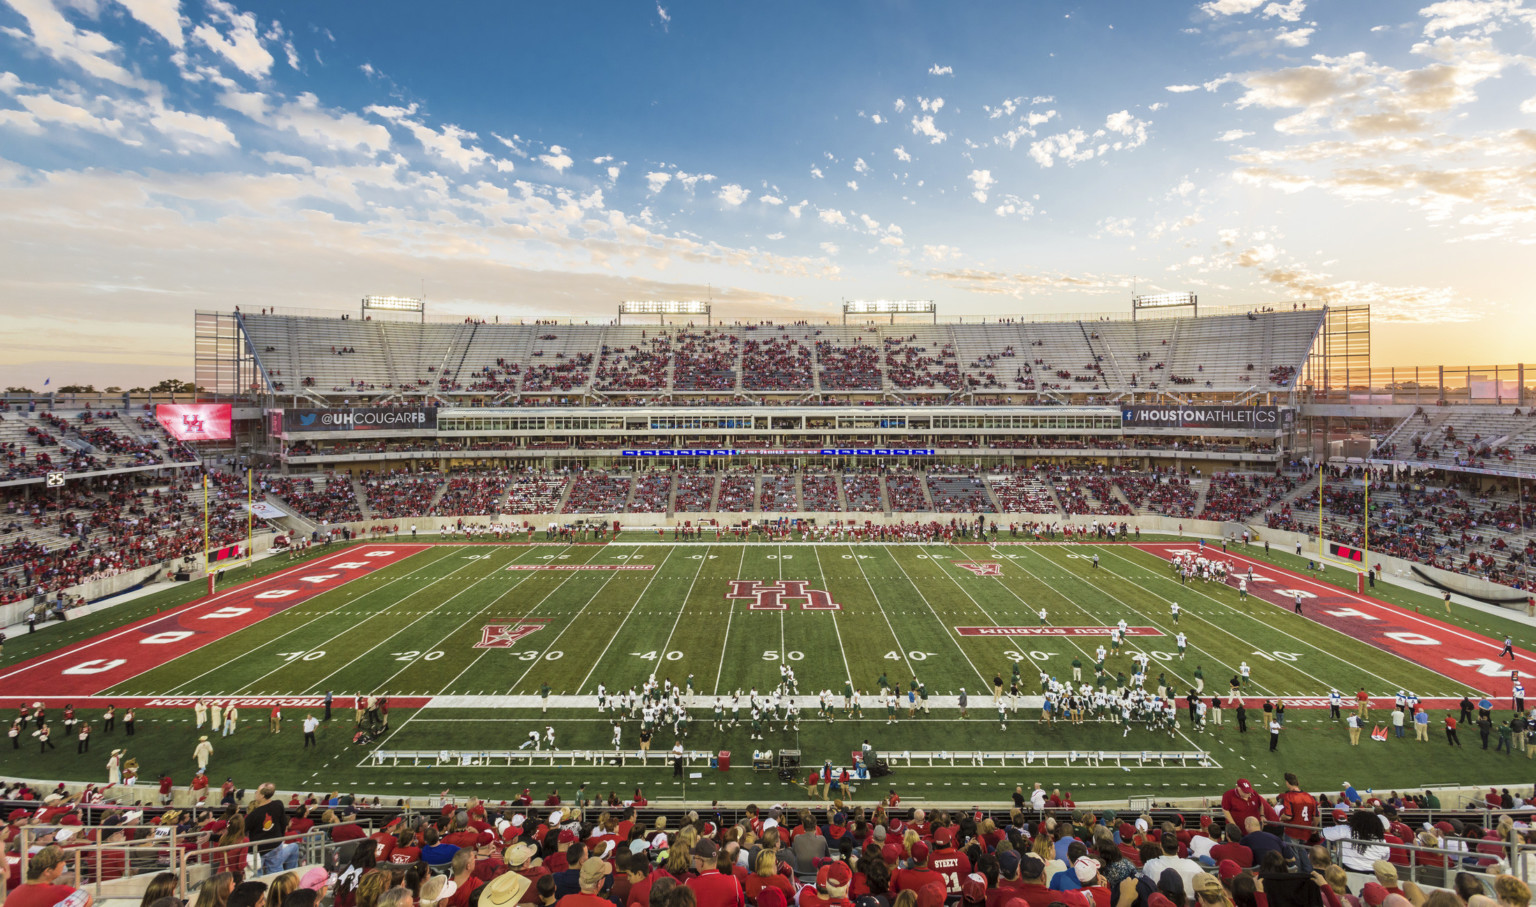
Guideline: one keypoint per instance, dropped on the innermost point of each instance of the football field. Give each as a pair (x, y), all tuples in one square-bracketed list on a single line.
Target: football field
[(463, 639)]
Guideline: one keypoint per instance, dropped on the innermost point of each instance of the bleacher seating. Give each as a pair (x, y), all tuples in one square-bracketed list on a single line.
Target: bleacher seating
[(557, 363), (597, 493), (1024, 493), (652, 493), (959, 494)]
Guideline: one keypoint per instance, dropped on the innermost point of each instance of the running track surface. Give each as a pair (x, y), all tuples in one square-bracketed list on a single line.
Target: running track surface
[(1466, 657)]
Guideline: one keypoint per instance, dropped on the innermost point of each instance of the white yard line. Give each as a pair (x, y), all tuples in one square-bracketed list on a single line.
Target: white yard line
[(726, 644), (1139, 615), (682, 606), (632, 608), (886, 617), (568, 624), (385, 641), (75, 651), (1379, 606), (1390, 685), (341, 607), (528, 575), (835, 630), (387, 610)]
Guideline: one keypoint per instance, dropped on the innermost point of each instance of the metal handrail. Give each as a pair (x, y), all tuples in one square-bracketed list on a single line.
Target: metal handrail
[(1516, 857)]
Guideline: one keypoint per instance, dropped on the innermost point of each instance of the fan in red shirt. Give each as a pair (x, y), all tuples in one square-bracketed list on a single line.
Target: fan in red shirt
[(946, 860), (712, 887), (832, 882), (43, 869), (1240, 803), (1032, 886), (919, 875), (405, 850), (1298, 810)]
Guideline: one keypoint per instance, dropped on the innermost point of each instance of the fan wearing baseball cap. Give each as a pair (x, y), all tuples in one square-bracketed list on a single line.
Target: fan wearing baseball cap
[(594, 874), (919, 875), (946, 860), (1242, 801), (1033, 888), (832, 882), (715, 885)]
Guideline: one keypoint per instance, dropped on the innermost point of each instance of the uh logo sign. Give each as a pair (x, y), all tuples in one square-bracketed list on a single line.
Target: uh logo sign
[(776, 596)]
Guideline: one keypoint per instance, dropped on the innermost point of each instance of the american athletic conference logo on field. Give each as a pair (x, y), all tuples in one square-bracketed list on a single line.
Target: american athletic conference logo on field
[(983, 568), (776, 596)]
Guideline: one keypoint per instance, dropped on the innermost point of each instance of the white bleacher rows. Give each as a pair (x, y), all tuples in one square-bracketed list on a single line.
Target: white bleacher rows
[(376, 360)]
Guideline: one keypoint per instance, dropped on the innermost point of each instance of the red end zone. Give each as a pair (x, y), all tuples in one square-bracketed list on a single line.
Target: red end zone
[(112, 658), (1464, 656)]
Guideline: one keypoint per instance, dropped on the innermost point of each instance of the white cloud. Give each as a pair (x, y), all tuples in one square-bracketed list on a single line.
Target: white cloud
[(56, 36), (448, 144), (242, 46), (665, 17), (1118, 226), (691, 180), (937, 70), (859, 166), (770, 200), (1231, 7), (982, 180), (795, 210), (924, 126), (327, 128), (852, 184), (1482, 16), (190, 129), (900, 105), (816, 172), (901, 154), (162, 17), (48, 109), (893, 241), (1296, 37), (933, 106), (657, 181), (1180, 89), (1232, 135), (1012, 205), (613, 174), (733, 195), (775, 236), (829, 247), (1289, 12), (556, 160), (940, 252), (10, 83), (833, 216), (876, 118), (870, 223), (1528, 105)]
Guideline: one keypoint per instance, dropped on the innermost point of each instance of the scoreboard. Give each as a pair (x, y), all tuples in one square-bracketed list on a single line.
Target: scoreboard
[(1346, 553)]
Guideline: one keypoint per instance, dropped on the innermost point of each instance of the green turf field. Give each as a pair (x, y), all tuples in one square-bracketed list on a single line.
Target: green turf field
[(410, 630)]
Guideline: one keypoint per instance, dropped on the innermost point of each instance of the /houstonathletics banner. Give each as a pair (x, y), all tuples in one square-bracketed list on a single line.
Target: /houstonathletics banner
[(1251, 419)]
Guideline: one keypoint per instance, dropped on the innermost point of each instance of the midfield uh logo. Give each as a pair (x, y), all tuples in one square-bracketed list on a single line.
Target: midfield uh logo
[(983, 568), (775, 596), (502, 636)]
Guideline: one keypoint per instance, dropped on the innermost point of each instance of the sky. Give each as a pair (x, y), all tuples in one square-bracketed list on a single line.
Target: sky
[(519, 160)]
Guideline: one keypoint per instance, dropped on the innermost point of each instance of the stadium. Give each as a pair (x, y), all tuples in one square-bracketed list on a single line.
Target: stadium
[(692, 546)]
